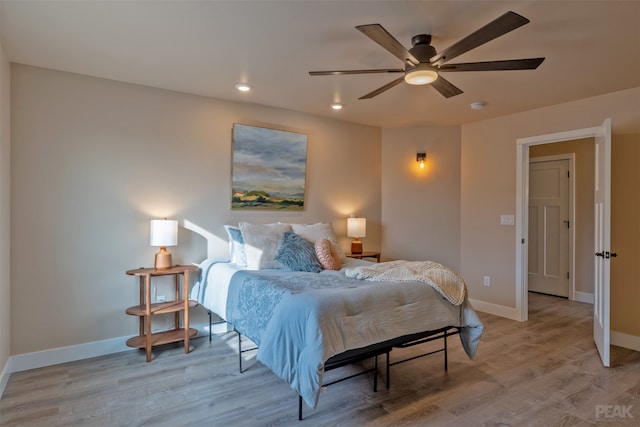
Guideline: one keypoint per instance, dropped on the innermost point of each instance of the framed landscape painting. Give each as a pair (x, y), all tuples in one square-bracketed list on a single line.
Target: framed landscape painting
[(269, 169)]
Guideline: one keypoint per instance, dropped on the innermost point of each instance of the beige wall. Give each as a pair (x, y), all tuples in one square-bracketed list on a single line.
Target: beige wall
[(584, 151), (5, 225), (94, 160), (625, 234), (421, 207), (488, 186)]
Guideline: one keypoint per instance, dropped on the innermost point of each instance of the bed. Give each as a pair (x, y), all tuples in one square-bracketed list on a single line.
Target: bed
[(305, 321)]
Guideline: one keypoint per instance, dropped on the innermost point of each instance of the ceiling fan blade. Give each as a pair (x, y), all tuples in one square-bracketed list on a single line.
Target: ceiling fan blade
[(339, 72), (445, 87), (496, 28), (378, 34), (383, 88), (512, 64)]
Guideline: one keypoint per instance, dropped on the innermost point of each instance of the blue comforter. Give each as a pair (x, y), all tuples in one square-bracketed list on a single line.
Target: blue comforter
[(299, 320)]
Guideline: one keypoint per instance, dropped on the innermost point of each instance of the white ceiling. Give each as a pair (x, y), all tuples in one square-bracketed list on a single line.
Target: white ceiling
[(206, 47)]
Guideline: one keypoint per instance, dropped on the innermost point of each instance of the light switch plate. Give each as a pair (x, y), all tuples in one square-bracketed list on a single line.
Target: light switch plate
[(506, 220)]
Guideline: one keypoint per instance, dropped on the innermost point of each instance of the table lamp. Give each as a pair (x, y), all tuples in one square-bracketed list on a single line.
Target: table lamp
[(164, 232), (356, 227)]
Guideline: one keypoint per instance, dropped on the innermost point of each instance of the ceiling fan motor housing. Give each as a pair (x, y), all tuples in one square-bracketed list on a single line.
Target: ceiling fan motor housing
[(422, 49)]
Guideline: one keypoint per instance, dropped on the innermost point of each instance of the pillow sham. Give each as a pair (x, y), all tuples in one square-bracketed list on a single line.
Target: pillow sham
[(328, 257), (261, 243), (320, 230), (297, 254), (236, 246)]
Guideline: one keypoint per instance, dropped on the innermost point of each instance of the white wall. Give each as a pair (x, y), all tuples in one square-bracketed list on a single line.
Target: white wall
[(421, 207), (489, 183), (94, 160), (5, 225)]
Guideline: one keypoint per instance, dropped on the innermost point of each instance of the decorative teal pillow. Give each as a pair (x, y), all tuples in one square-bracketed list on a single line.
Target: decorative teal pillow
[(297, 254)]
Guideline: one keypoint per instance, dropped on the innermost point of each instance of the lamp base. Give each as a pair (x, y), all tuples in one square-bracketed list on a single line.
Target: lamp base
[(163, 259), (356, 246)]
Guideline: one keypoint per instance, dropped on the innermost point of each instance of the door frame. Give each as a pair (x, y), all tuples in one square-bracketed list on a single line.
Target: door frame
[(522, 206), (572, 216)]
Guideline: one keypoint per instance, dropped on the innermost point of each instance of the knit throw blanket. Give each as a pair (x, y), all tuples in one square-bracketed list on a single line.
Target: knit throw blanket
[(444, 280)]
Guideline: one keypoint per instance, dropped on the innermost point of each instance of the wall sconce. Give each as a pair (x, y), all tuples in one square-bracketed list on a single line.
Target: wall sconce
[(164, 232), (421, 158), (356, 227)]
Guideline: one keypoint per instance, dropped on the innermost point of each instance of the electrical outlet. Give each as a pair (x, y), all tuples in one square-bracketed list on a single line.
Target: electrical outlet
[(486, 281), (160, 298)]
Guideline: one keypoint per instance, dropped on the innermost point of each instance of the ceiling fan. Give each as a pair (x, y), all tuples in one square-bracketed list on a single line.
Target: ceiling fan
[(423, 65)]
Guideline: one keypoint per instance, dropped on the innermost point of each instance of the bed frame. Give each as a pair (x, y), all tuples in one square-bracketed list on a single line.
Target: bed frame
[(350, 357)]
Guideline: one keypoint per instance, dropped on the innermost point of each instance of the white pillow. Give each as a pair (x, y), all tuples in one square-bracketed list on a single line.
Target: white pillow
[(320, 230), (236, 246), (261, 244)]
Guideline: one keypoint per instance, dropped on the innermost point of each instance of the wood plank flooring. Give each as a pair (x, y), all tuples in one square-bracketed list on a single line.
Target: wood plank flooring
[(544, 372)]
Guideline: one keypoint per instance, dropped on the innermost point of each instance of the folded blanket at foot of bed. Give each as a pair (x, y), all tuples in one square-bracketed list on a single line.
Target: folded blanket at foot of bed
[(444, 280)]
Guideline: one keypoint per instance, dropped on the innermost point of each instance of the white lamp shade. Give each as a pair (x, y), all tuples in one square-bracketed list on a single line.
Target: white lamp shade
[(164, 232), (356, 227)]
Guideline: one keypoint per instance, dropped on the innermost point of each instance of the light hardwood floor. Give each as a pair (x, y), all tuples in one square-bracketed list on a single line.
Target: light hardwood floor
[(544, 372)]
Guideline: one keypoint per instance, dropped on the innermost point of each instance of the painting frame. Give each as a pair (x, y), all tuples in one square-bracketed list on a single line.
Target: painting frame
[(268, 168)]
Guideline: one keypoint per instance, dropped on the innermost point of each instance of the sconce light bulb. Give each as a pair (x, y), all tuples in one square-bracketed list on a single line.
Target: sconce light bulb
[(421, 164), (243, 87)]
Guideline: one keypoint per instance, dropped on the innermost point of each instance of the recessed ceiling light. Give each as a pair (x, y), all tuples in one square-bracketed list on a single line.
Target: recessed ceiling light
[(243, 87), (336, 106), (478, 105)]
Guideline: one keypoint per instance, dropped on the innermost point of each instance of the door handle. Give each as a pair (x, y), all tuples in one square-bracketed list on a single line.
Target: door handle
[(607, 254)]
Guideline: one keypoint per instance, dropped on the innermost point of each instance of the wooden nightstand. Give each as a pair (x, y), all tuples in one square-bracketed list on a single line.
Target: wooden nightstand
[(365, 254), (146, 309)]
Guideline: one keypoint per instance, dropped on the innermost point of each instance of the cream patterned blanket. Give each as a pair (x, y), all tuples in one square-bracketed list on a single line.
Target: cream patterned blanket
[(444, 280)]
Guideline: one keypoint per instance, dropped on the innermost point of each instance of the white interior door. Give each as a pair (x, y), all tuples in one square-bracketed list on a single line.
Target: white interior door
[(602, 216), (549, 227)]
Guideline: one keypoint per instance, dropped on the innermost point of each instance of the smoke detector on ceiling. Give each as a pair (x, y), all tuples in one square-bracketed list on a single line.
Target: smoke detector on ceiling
[(478, 105)]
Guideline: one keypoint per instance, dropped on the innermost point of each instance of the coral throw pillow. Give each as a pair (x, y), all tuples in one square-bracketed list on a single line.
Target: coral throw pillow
[(327, 255)]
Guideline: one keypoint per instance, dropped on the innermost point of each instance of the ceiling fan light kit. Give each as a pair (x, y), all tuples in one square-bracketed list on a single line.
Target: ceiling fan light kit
[(420, 75), (423, 64)]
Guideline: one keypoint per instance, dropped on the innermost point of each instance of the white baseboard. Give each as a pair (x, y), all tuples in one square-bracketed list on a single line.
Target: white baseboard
[(619, 339), (54, 356), (495, 309), (216, 328), (4, 376), (583, 297), (631, 342)]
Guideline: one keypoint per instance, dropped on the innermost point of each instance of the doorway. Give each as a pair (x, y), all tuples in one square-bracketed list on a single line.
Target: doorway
[(601, 228), (551, 224)]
